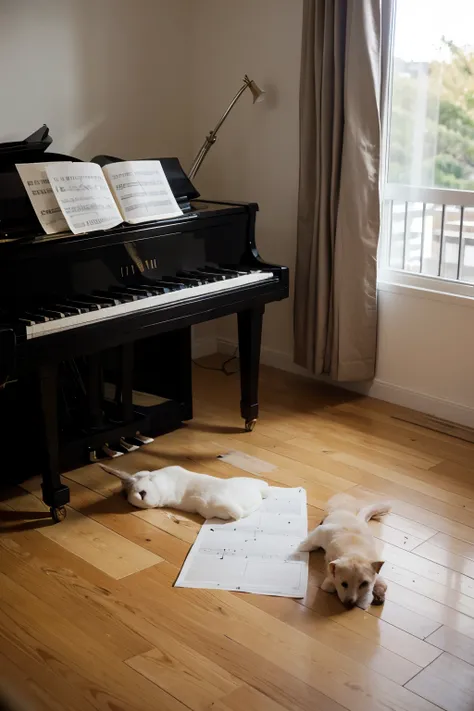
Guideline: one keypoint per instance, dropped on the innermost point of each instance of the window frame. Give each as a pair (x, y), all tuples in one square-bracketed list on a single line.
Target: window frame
[(411, 193)]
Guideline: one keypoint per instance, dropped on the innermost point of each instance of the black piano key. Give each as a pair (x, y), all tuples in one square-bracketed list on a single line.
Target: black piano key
[(139, 291), (182, 280), (195, 276), (154, 290), (209, 275), (170, 285), (107, 297), (225, 272), (82, 304), (71, 310), (39, 318), (66, 311), (123, 294), (53, 314), (74, 304), (98, 300), (26, 322)]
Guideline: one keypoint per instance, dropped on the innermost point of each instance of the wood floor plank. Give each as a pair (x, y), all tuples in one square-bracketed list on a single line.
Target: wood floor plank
[(28, 683), (205, 631), (449, 560), (31, 625), (312, 473), (365, 648), (436, 448), (359, 465), (188, 676), (450, 680), (445, 595), (442, 693), (394, 416), (430, 569), (454, 545), (438, 522), (352, 686), (86, 538), (453, 642), (404, 619), (408, 526), (67, 593), (246, 698), (450, 668)]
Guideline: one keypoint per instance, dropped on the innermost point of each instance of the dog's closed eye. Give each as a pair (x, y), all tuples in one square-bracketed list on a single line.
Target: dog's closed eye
[(345, 585), (364, 584), (142, 494)]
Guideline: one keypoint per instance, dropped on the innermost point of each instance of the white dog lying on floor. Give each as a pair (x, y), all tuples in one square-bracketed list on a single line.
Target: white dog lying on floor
[(352, 559), (206, 495)]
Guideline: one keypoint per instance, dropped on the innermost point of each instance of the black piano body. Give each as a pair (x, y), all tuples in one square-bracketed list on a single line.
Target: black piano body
[(95, 329)]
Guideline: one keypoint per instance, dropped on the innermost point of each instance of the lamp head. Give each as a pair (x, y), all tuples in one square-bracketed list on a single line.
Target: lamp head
[(257, 93)]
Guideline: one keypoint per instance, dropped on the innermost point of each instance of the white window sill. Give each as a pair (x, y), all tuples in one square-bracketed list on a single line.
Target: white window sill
[(395, 282)]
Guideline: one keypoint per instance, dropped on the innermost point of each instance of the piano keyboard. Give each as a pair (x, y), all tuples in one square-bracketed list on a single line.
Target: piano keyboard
[(118, 301)]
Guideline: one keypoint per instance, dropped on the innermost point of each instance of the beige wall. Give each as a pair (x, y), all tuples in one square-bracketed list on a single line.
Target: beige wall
[(104, 77), (426, 352), (256, 155)]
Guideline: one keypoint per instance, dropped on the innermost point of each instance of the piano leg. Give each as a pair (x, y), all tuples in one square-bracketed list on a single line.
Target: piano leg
[(250, 336), (55, 494)]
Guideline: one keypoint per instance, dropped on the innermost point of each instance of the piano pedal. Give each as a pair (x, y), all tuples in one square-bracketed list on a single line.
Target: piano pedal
[(143, 438), (112, 453), (128, 446), (93, 456)]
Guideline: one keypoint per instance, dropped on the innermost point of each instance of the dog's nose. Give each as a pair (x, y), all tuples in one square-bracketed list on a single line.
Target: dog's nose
[(349, 604), (142, 494)]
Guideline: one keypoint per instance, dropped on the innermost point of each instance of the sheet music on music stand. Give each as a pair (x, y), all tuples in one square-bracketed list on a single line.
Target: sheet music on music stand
[(257, 554)]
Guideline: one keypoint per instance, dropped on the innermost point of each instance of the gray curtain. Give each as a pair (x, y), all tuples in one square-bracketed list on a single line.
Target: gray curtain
[(343, 80)]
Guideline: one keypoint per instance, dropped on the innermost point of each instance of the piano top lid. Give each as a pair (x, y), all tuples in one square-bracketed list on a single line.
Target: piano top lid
[(29, 150)]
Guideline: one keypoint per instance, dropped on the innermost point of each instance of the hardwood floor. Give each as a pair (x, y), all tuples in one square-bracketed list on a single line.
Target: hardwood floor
[(89, 618)]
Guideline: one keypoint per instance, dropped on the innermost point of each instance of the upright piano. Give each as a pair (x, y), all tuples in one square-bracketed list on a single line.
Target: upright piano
[(95, 329)]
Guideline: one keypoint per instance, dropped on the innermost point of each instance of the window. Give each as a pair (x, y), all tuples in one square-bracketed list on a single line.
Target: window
[(428, 197)]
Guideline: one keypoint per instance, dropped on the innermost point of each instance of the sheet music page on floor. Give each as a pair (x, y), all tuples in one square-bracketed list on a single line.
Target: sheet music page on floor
[(256, 554)]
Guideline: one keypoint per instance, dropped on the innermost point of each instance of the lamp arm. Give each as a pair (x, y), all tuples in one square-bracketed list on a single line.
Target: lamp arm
[(212, 135)]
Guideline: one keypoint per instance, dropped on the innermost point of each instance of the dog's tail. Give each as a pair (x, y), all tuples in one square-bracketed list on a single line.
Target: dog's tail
[(375, 510), (345, 502), (116, 472)]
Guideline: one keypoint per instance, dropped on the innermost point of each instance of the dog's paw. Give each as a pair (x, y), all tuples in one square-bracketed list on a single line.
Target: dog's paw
[(380, 588), (328, 586)]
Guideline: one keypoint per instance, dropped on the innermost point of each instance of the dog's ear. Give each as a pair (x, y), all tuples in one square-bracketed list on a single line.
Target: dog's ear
[(377, 565), (332, 568)]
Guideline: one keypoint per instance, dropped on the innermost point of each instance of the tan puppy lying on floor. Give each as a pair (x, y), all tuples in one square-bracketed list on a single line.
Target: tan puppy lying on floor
[(353, 562)]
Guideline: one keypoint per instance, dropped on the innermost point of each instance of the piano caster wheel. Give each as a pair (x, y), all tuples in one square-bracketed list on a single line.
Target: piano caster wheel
[(58, 515), (250, 425)]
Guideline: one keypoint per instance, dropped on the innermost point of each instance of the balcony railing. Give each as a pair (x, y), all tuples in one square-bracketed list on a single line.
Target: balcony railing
[(430, 232)]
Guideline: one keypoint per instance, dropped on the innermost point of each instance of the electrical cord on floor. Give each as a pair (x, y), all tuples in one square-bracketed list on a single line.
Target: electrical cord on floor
[(222, 368)]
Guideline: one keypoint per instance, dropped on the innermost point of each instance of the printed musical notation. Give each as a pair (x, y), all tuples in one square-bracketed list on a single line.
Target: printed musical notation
[(256, 554)]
